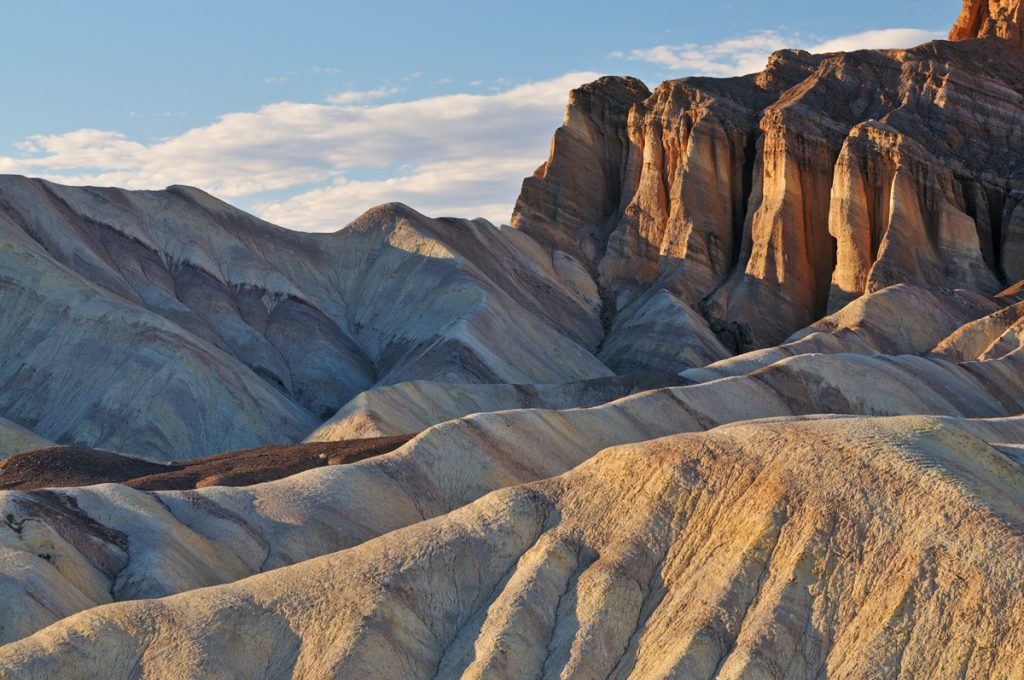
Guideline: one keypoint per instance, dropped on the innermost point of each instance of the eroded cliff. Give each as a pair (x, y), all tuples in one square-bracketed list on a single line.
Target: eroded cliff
[(769, 200)]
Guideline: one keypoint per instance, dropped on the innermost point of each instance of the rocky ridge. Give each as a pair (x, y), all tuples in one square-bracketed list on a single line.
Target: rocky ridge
[(600, 487), (692, 556), (796, 189), (181, 540)]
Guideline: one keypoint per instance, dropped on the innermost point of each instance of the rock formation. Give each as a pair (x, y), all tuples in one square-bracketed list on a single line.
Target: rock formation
[(14, 438), (169, 325), (62, 466), (181, 540), (658, 216), (797, 189), (692, 556), (983, 18), (738, 394), (393, 410)]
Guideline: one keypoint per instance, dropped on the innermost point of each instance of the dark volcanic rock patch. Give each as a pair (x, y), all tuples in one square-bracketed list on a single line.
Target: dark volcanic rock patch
[(67, 466)]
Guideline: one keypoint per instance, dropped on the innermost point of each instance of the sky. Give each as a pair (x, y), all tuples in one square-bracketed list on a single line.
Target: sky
[(308, 113)]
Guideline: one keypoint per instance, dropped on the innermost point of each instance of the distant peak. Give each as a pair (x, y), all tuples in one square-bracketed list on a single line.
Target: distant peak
[(995, 18)]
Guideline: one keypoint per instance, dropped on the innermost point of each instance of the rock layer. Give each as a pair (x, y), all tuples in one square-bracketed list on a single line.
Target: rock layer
[(852, 218), (14, 438), (692, 556), (69, 466), (415, 406), (982, 18), (176, 541), (168, 324), (797, 189)]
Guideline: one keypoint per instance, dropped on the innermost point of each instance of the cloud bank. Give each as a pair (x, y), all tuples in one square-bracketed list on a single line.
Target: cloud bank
[(317, 166), (459, 154), (749, 54)]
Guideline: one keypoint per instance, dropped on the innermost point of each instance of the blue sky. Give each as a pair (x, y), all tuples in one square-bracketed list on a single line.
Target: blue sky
[(310, 112)]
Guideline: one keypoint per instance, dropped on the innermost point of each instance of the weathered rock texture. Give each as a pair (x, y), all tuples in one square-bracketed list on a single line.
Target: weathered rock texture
[(14, 438), (666, 231), (66, 466), (169, 542), (749, 551), (599, 489), (415, 406), (983, 18), (765, 202), (169, 325), (897, 320)]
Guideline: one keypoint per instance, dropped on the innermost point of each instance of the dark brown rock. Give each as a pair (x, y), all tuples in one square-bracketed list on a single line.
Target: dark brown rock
[(66, 466)]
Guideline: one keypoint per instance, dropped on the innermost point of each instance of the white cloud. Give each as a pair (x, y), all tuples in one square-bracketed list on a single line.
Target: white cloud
[(890, 38), (749, 54), (461, 154), (356, 96), (466, 187), (325, 163)]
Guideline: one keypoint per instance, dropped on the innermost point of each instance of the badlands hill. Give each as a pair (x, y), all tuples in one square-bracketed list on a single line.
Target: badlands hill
[(738, 394)]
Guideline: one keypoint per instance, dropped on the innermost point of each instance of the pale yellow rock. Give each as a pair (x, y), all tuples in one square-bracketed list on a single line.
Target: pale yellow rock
[(153, 544), (980, 18), (411, 407), (855, 547), (976, 339), (897, 320)]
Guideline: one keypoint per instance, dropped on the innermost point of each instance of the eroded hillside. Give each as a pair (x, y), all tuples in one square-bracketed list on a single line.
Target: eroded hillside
[(737, 395)]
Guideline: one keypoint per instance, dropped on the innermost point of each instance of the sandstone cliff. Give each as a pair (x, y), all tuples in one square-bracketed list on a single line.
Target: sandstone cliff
[(767, 201), (983, 18)]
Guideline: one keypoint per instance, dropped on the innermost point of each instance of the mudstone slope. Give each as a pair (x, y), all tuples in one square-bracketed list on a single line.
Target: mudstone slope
[(738, 394)]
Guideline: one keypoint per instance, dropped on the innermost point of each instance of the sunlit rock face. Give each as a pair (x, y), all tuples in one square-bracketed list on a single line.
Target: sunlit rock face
[(984, 18), (733, 552), (900, 351), (667, 230), (798, 189)]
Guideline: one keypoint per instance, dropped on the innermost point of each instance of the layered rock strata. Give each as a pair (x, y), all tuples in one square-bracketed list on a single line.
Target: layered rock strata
[(766, 201)]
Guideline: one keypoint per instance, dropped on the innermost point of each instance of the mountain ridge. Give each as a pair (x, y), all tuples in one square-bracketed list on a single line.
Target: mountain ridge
[(737, 394)]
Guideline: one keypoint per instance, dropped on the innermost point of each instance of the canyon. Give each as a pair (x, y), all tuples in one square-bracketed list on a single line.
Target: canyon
[(737, 393)]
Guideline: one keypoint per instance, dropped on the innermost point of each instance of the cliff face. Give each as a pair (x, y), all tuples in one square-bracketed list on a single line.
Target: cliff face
[(769, 200), (983, 18)]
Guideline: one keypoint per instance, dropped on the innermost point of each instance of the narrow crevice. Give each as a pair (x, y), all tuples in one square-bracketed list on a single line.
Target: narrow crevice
[(607, 313), (743, 208), (730, 645), (880, 186), (499, 587), (654, 596), (996, 214), (985, 206), (584, 559)]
